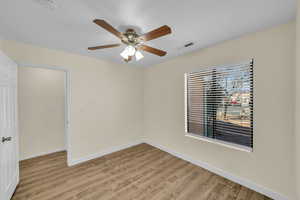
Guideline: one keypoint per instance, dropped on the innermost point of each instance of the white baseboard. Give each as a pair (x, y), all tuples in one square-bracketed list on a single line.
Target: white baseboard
[(42, 154), (241, 181), (103, 153)]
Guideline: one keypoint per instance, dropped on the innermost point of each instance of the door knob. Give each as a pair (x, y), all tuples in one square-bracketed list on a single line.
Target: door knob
[(6, 139)]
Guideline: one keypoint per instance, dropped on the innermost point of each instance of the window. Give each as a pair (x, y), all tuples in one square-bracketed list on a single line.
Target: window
[(219, 104)]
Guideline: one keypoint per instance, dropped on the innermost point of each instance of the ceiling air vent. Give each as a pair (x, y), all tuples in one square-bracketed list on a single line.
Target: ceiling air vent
[(189, 44), (50, 4)]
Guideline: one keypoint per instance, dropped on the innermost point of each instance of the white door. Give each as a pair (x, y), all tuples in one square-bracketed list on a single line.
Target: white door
[(9, 159)]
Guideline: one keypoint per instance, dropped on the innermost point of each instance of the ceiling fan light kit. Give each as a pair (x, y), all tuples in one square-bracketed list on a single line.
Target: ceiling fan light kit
[(134, 42), (131, 51), (128, 51)]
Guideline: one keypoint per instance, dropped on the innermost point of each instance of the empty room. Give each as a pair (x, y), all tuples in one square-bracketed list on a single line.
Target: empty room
[(149, 100)]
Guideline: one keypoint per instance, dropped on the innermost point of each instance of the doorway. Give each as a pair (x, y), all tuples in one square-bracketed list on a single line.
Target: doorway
[(44, 93)]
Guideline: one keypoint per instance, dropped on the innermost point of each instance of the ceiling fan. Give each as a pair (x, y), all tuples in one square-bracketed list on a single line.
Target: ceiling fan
[(134, 42)]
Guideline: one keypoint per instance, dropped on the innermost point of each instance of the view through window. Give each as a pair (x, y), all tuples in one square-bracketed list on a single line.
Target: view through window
[(219, 103)]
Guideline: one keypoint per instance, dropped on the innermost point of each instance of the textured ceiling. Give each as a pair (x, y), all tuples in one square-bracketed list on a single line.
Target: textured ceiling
[(67, 24)]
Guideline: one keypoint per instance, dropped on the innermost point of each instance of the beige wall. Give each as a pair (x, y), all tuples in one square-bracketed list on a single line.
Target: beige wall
[(297, 105), (41, 111), (270, 165), (106, 98), (109, 102)]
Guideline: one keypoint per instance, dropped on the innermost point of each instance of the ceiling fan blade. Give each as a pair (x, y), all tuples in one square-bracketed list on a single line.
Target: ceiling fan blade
[(108, 27), (152, 50), (159, 32), (104, 46)]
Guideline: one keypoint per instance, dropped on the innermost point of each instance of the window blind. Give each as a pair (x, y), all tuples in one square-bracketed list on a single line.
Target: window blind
[(219, 103)]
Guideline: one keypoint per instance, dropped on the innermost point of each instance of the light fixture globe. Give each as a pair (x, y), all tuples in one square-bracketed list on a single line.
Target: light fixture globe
[(129, 51), (124, 54), (138, 55)]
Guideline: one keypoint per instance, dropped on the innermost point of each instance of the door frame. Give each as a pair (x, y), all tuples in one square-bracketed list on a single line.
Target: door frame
[(67, 90)]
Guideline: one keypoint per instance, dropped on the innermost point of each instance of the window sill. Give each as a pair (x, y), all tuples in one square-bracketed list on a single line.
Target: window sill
[(220, 142)]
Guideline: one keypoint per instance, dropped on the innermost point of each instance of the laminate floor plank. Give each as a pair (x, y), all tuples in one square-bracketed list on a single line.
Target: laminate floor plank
[(141, 172)]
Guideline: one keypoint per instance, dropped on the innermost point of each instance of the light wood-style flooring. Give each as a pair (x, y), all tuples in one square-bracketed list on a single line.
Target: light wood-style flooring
[(137, 173)]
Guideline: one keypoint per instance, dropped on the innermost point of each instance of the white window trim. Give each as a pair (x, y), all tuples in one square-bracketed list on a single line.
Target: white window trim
[(207, 139), (220, 142)]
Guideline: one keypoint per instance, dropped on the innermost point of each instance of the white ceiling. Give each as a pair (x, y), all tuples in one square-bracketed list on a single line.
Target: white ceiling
[(68, 24)]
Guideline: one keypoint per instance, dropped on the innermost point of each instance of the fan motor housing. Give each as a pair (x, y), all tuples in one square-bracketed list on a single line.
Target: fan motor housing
[(130, 37)]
